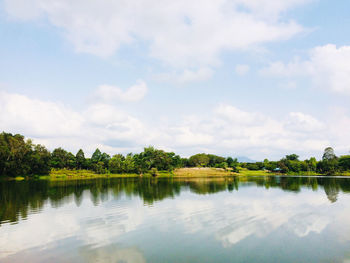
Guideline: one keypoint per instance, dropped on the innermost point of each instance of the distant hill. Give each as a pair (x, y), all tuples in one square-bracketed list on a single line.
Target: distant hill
[(244, 159)]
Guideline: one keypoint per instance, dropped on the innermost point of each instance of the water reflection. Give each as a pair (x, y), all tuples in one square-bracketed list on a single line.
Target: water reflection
[(112, 254), (19, 198), (176, 220)]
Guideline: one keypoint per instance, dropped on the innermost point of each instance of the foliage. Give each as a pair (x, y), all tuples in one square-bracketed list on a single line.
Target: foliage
[(329, 163), (328, 154), (211, 160), (199, 160), (344, 163), (21, 158), (292, 157), (80, 160)]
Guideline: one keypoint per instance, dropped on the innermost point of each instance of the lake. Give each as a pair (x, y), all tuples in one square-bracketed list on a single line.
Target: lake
[(257, 219)]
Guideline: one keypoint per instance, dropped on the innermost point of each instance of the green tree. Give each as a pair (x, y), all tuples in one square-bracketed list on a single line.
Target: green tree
[(20, 157), (344, 162), (328, 154), (222, 165), (99, 168), (199, 160), (40, 160), (329, 163), (214, 160), (175, 160), (105, 159), (232, 163), (71, 161), (229, 161), (59, 158), (96, 156), (282, 164), (116, 164), (15, 155), (80, 160), (153, 158), (292, 157), (311, 164), (129, 164), (253, 166)]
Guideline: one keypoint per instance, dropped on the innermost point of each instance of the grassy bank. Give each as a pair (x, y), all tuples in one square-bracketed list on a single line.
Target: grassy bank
[(81, 174), (205, 172), (63, 174), (246, 172), (193, 172)]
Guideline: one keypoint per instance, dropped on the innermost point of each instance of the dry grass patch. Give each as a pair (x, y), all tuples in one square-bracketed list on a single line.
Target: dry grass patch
[(202, 172)]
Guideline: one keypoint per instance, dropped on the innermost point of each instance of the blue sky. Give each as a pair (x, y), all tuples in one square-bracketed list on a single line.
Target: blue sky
[(256, 78)]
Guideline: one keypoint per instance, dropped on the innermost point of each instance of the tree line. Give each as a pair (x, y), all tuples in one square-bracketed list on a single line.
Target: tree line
[(329, 164), (20, 157)]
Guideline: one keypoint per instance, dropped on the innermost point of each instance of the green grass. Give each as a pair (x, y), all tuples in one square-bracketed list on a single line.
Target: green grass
[(246, 172), (64, 174), (347, 173), (304, 173), (19, 178)]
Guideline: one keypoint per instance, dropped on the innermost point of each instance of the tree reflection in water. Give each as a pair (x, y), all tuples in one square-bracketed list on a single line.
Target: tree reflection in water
[(18, 198)]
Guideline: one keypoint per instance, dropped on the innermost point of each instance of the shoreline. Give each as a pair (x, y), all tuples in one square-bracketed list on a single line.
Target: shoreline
[(64, 174)]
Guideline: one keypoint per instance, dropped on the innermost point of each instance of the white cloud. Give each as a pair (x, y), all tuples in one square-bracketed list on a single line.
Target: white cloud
[(113, 253), (20, 113), (181, 33), (302, 122), (327, 66), (56, 225), (186, 76), (225, 129), (185, 136), (227, 217), (339, 126), (289, 85), (272, 9), (242, 69), (252, 215), (109, 93), (54, 124), (229, 130), (238, 116)]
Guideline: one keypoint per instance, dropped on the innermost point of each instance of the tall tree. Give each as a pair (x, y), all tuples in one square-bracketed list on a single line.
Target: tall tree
[(292, 157), (329, 163), (59, 158), (96, 156), (116, 164), (328, 154), (80, 160), (40, 160), (129, 164)]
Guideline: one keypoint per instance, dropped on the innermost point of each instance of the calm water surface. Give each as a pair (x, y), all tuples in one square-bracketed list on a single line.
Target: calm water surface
[(275, 219)]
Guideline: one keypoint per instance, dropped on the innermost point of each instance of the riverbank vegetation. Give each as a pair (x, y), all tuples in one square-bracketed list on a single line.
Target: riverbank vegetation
[(21, 158)]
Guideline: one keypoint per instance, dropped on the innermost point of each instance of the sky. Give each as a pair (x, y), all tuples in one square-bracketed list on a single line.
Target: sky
[(255, 78)]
